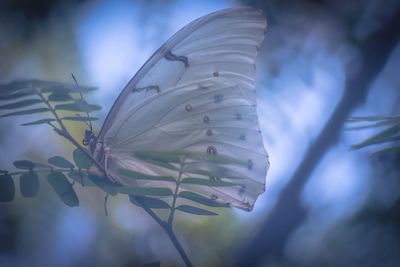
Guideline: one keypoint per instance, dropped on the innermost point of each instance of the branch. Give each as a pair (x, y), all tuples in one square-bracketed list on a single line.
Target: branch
[(269, 243)]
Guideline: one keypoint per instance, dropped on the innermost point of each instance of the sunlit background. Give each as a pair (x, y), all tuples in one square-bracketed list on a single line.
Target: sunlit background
[(316, 210)]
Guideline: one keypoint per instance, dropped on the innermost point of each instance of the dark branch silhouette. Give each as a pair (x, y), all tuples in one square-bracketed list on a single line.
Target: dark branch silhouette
[(288, 214)]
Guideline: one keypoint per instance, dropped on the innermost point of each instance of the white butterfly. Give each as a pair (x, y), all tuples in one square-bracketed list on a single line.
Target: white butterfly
[(195, 98)]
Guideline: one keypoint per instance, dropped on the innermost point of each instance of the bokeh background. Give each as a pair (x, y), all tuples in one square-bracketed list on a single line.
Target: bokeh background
[(325, 204)]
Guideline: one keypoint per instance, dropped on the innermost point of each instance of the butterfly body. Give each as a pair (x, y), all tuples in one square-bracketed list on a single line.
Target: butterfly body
[(191, 110)]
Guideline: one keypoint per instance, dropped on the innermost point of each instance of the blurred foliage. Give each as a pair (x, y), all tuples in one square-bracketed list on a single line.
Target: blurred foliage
[(53, 98)]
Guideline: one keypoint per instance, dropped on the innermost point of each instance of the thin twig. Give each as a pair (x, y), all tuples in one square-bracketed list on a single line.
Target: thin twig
[(175, 195)]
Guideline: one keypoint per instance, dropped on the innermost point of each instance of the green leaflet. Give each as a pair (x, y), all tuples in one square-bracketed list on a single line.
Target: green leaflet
[(24, 164), (104, 184), (371, 125), (195, 210), (29, 184), (21, 104), (214, 170), (42, 86), (59, 97), (179, 156), (158, 156), (142, 176), (386, 135), (13, 96), (26, 112), (43, 121), (206, 182), (79, 118), (7, 188), (60, 162), (58, 87), (78, 106), (386, 150), (163, 164), (63, 188), (373, 118), (145, 191), (151, 202), (201, 199), (81, 160), (80, 177)]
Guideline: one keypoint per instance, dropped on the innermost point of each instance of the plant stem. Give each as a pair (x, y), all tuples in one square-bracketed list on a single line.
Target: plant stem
[(167, 227), (175, 196)]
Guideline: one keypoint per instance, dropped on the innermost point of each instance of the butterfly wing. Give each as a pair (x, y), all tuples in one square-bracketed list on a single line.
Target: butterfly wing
[(196, 95)]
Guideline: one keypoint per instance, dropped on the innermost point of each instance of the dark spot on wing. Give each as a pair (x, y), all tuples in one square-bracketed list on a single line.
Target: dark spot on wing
[(218, 98), (238, 116), (242, 190), (249, 164), (173, 57), (214, 197), (211, 150), (209, 132), (202, 87), (215, 178), (242, 137), (206, 119), (188, 107), (215, 74)]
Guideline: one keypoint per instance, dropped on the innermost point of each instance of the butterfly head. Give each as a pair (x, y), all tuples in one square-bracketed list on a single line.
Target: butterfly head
[(89, 136)]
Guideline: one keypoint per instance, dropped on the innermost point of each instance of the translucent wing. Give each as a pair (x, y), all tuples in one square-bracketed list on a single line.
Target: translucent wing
[(196, 96)]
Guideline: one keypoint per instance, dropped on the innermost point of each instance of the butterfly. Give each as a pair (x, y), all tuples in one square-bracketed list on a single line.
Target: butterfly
[(191, 109)]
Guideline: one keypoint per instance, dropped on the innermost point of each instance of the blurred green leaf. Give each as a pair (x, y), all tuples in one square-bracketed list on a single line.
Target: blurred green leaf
[(104, 184), (63, 188), (81, 160), (163, 164), (145, 191), (21, 104), (386, 135), (211, 169), (29, 184), (43, 121), (13, 96), (60, 162), (42, 86), (26, 112), (24, 164), (59, 97), (206, 182), (78, 106), (79, 118), (7, 188), (58, 87), (386, 150), (373, 118), (371, 125), (195, 210), (142, 176), (164, 156), (153, 203), (201, 199)]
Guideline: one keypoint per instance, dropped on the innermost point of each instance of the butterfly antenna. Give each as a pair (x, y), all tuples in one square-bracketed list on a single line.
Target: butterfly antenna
[(80, 93)]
